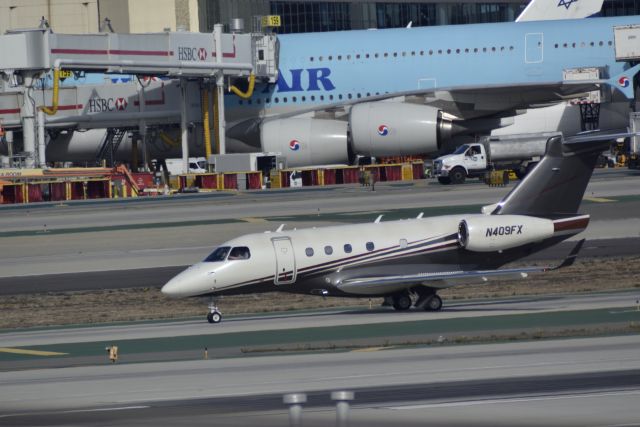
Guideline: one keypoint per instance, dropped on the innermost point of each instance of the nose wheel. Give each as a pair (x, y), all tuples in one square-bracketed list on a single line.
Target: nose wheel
[(214, 315)]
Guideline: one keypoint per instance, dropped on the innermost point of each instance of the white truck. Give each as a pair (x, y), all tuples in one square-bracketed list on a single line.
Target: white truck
[(196, 165), (517, 152)]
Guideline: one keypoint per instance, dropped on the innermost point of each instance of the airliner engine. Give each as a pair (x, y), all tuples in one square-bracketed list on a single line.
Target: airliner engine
[(499, 232), (397, 128), (306, 141)]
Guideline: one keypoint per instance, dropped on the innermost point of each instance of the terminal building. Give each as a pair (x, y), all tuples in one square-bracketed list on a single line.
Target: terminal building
[(140, 16)]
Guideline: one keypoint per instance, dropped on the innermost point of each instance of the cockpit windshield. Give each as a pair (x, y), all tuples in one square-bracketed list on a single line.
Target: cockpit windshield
[(219, 254), (239, 252), (461, 149)]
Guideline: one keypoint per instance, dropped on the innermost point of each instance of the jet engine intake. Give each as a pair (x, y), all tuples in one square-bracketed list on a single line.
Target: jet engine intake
[(397, 128), (306, 141), (489, 233)]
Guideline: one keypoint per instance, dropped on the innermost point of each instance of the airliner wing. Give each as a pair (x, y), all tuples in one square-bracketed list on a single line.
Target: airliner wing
[(445, 279), (468, 102)]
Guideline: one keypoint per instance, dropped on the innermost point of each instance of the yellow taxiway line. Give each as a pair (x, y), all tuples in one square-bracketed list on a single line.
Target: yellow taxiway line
[(30, 352), (598, 199), (254, 220)]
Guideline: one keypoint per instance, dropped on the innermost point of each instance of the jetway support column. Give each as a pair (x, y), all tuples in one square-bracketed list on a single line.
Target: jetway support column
[(9, 138), (28, 114), (222, 126), (42, 140), (184, 132)]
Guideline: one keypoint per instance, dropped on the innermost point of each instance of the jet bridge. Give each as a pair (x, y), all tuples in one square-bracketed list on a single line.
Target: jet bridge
[(176, 73)]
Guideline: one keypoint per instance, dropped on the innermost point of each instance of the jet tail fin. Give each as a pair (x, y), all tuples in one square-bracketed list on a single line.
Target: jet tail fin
[(555, 187), (624, 81), (548, 10)]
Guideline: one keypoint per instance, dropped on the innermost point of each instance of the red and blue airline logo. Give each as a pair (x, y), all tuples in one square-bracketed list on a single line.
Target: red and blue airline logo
[(294, 145), (623, 81), (383, 130)]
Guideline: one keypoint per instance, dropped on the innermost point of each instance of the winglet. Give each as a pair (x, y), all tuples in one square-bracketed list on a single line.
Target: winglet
[(571, 258), (420, 215), (280, 228), (377, 221), (624, 81)]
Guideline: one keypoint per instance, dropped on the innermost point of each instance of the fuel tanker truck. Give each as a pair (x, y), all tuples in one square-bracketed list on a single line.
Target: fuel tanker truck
[(516, 152)]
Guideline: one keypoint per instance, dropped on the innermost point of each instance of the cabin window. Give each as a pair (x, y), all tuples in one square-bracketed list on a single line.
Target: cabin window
[(403, 243), (219, 254), (294, 99), (370, 246), (311, 59), (309, 251), (331, 97), (348, 248), (304, 98), (328, 250), (276, 100), (330, 57), (339, 57), (284, 99), (239, 252)]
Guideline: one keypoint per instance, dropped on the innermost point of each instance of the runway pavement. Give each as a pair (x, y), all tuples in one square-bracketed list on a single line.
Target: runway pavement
[(554, 382)]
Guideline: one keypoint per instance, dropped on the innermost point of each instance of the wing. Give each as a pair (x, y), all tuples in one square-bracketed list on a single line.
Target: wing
[(444, 279)]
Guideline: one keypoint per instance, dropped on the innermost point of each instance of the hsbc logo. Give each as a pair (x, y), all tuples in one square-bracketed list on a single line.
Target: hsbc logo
[(103, 105), (121, 104), (192, 53)]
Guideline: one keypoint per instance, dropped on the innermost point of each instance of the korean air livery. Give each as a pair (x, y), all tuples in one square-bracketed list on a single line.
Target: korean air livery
[(411, 90)]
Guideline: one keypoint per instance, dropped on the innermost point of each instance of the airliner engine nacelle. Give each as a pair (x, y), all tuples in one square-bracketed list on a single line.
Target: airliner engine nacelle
[(397, 128), (306, 141), (499, 232)]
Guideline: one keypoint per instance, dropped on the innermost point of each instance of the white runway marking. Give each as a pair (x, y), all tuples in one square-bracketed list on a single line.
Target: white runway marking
[(512, 400)]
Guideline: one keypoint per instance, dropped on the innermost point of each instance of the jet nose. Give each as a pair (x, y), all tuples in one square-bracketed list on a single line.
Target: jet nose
[(173, 288)]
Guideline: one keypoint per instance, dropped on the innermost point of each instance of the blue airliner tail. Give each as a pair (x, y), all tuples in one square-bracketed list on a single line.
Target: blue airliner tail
[(549, 10), (624, 81)]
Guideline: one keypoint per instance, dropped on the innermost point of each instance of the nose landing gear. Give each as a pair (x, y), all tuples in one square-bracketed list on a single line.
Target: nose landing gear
[(214, 315)]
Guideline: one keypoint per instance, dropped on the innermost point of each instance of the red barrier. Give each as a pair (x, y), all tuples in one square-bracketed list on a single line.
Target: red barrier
[(254, 181), (350, 175), (393, 173), (208, 182), (77, 190), (58, 191), (12, 194), (418, 170), (34, 192), (231, 181), (97, 189), (330, 176)]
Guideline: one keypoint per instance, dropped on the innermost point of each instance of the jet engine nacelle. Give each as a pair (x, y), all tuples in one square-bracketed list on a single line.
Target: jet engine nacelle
[(397, 128), (500, 232), (306, 141)]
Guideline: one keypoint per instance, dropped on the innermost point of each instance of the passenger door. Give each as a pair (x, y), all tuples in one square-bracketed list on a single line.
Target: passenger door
[(285, 261)]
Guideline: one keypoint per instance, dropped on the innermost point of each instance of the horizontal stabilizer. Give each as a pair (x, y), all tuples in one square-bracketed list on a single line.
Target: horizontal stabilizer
[(571, 258)]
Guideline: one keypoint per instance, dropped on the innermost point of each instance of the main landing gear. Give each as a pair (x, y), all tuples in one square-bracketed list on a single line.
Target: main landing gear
[(214, 315), (426, 299)]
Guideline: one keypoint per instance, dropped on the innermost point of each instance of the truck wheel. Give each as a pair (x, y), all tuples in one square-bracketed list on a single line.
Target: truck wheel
[(444, 180), (457, 175)]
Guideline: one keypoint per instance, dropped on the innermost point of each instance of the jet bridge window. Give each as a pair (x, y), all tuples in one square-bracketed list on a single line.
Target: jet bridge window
[(219, 254), (370, 246), (239, 252)]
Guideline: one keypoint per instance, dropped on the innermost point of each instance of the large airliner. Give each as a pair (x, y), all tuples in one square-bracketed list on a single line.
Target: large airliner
[(407, 261), (407, 91)]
